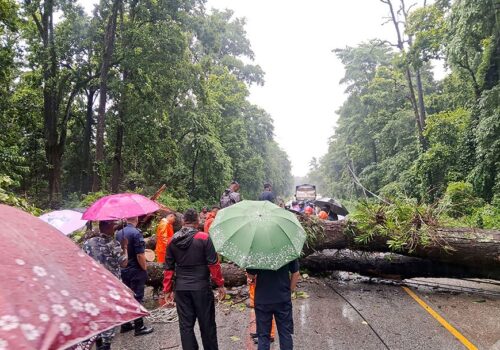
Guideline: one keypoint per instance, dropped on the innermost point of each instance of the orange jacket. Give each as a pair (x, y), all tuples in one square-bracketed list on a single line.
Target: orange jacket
[(164, 232), (208, 222), (323, 215)]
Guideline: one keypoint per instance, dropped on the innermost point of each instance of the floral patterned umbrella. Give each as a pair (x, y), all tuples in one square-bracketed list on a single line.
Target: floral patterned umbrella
[(53, 295), (120, 206)]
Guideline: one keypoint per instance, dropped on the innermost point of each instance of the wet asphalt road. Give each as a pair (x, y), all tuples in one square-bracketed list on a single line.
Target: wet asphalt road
[(363, 316)]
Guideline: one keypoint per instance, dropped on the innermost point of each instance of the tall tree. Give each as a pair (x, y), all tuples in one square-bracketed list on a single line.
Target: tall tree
[(416, 96), (107, 56), (57, 50)]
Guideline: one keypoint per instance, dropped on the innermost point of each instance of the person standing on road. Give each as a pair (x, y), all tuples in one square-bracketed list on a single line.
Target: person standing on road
[(135, 274), (268, 194), (192, 260), (164, 232), (230, 195), (210, 218), (273, 297), (108, 252)]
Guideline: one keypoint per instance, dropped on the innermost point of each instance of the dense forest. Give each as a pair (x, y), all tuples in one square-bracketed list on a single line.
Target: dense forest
[(137, 94), (141, 93), (401, 133)]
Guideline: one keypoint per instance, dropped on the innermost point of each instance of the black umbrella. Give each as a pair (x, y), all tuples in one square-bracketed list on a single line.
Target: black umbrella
[(332, 204)]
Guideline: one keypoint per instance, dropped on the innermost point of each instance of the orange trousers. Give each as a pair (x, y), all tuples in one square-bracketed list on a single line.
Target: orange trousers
[(251, 293)]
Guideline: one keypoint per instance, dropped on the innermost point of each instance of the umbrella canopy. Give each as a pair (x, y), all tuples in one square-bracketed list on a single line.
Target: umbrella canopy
[(66, 221), (334, 205), (257, 234), (120, 206), (53, 295)]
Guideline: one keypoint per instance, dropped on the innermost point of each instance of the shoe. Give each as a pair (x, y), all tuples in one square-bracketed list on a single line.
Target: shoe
[(104, 346), (143, 330), (254, 335), (256, 340), (126, 327)]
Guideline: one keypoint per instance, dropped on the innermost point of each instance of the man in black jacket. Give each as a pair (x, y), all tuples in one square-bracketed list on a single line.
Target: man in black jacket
[(268, 194), (273, 298), (192, 259)]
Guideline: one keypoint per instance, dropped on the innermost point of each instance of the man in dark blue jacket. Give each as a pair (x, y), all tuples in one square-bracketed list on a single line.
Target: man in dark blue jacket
[(268, 194), (273, 297), (135, 274), (192, 259)]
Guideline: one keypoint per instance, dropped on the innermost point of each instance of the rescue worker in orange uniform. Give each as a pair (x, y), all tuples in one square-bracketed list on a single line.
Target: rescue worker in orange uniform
[(323, 215), (164, 232), (210, 218)]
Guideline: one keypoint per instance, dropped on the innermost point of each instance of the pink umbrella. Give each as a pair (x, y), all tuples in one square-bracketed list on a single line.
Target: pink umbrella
[(66, 221), (53, 295), (120, 206)]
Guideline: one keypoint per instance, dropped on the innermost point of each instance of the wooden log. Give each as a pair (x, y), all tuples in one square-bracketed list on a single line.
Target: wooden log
[(451, 252), (465, 247), (389, 265), (233, 275)]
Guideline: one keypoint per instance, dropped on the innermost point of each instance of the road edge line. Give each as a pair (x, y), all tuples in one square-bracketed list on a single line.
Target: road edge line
[(441, 320)]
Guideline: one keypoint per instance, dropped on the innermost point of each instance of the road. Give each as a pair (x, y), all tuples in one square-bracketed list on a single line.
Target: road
[(361, 315)]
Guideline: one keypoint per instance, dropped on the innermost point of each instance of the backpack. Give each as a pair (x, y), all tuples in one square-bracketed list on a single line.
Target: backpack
[(226, 199)]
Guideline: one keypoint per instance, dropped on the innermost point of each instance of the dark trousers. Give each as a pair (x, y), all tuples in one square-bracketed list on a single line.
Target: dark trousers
[(192, 305), (283, 315), (135, 279)]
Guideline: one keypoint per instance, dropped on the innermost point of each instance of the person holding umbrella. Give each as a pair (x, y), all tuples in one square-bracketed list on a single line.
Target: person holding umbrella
[(109, 253), (192, 259), (273, 299), (135, 274), (266, 240)]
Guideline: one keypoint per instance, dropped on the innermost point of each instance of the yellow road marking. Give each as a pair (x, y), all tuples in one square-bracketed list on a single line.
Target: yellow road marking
[(441, 320)]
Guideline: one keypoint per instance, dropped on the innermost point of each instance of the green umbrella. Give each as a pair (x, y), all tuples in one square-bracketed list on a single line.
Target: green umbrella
[(257, 235)]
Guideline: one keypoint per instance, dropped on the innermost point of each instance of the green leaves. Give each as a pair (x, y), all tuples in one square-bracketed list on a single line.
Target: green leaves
[(376, 138)]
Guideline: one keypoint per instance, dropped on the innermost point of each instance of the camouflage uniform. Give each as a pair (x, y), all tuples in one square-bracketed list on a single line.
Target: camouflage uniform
[(107, 251)]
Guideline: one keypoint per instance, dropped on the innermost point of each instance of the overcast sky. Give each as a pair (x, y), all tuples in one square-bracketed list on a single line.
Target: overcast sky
[(293, 42)]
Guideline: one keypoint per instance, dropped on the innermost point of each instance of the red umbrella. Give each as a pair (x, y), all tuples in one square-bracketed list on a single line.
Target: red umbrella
[(53, 295), (120, 206)]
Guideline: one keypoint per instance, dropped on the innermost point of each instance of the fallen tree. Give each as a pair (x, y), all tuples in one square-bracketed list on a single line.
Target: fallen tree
[(233, 275), (464, 247), (385, 265), (423, 250), (389, 265)]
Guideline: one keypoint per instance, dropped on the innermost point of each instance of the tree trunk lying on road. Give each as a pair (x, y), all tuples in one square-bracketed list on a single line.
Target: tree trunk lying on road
[(233, 275), (452, 252), (466, 247), (389, 265), (386, 265)]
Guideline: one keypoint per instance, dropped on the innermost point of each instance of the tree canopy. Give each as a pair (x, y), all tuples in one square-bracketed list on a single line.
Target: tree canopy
[(137, 94), (401, 132)]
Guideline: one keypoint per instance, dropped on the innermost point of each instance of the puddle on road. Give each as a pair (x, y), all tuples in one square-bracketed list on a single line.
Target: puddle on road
[(349, 313), (304, 312)]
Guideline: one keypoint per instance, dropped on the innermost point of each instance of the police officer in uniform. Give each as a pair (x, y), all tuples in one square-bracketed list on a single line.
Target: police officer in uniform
[(135, 274)]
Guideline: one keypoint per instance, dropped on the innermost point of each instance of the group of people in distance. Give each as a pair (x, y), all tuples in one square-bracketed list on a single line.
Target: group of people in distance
[(190, 263), (309, 209)]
